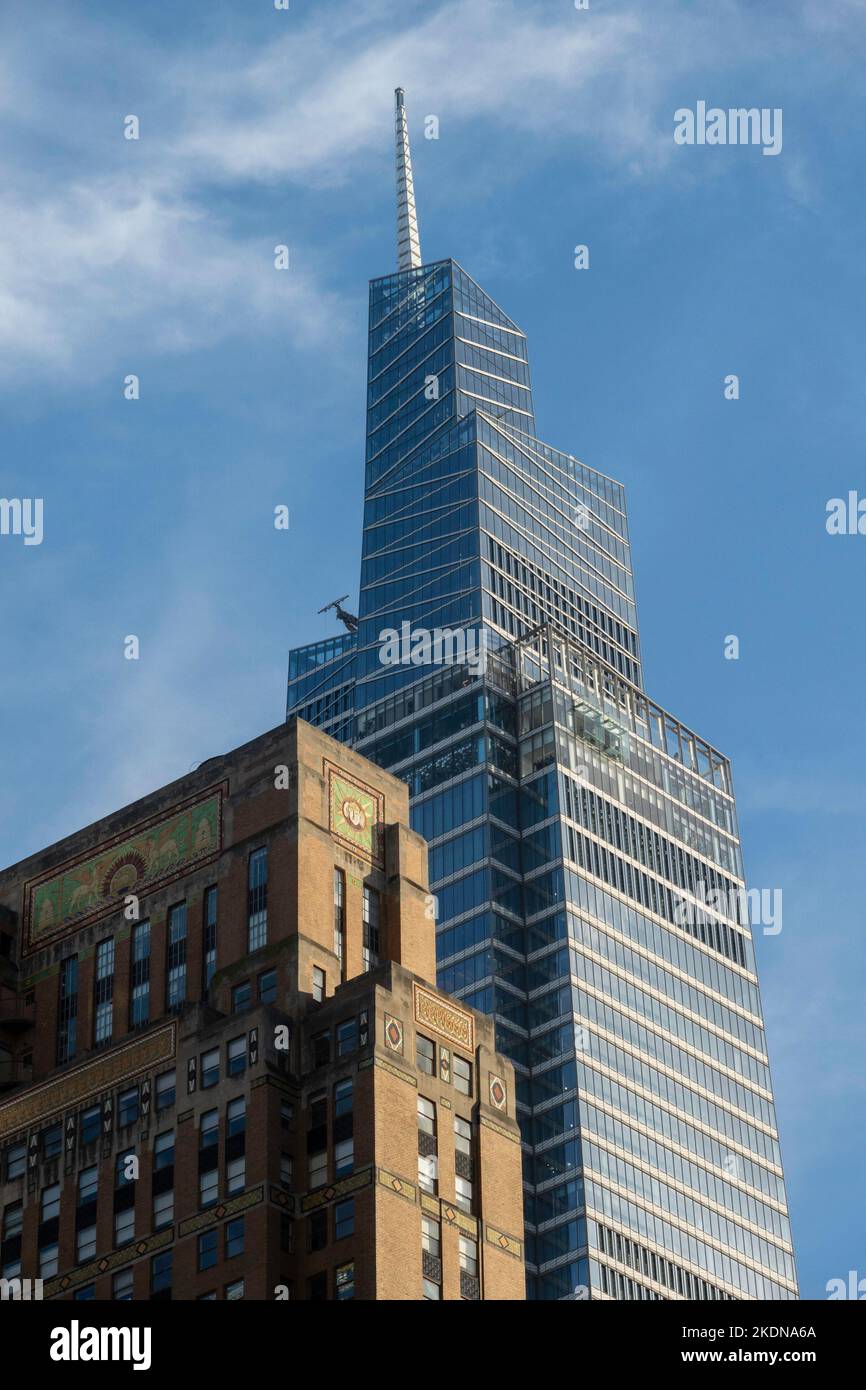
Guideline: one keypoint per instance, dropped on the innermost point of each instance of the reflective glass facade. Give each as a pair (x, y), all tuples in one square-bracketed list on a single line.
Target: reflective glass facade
[(583, 843)]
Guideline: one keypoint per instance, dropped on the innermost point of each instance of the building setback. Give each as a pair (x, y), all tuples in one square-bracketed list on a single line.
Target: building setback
[(583, 840), (225, 1071)]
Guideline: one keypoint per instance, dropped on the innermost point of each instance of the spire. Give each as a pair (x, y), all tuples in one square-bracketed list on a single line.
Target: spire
[(408, 240)]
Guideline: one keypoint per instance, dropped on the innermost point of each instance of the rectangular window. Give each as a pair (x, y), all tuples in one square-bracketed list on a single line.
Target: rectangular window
[(176, 958), (242, 997), (345, 1281), (139, 978), (463, 1163), (257, 899), (16, 1161), (469, 1256), (347, 1037), (67, 1010), (85, 1214), (51, 1141), (13, 1225), (344, 1219), (208, 1188), (431, 1242), (208, 1158), (163, 1209), (127, 1107), (103, 993), (90, 1124), (235, 1290), (236, 1175), (371, 928), (318, 1165), (236, 1117), (340, 920), (463, 1193), (428, 1162), (343, 1098), (124, 1226), (237, 1056), (165, 1090), (462, 1075), (431, 1291), (207, 1249), (48, 1260), (234, 1237), (321, 1049), (425, 1053), (287, 1170), (209, 942), (163, 1151), (210, 1068), (318, 1230), (160, 1274), (122, 1286), (319, 982), (426, 1116), (268, 987), (344, 1158)]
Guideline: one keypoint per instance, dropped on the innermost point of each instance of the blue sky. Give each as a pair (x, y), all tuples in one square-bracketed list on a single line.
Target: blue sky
[(155, 257)]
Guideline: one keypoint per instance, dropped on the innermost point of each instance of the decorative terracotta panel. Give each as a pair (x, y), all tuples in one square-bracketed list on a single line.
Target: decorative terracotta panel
[(355, 813), (453, 1023)]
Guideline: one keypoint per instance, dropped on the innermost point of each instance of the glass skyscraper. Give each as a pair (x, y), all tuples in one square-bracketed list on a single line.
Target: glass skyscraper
[(583, 842)]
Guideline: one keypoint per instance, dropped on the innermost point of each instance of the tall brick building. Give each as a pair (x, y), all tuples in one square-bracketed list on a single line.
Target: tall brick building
[(224, 1070)]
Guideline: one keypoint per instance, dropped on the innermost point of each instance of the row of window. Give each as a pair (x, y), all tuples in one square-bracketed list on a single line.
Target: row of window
[(176, 983), (428, 1155)]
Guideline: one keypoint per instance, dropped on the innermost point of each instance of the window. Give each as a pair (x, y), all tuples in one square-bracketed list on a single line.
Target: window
[(160, 1274), (287, 1170), (50, 1204), (370, 953), (124, 1226), (163, 1209), (48, 1260), (343, 1098), (122, 1285), (431, 1291), (139, 978), (89, 1124), (237, 1056), (176, 957), (49, 1223), (428, 1167), (209, 1297), (165, 1093), (344, 1158), (431, 1242), (287, 1114), (319, 983), (209, 940), (16, 1161), (425, 1052), (318, 1164), (469, 1256), (103, 993), (462, 1075), (268, 987), (257, 899), (463, 1193), (163, 1151), (344, 1219), (236, 1175), (242, 997), (52, 1141), (208, 1158), (207, 1249), (210, 1068), (85, 1215), (317, 1287), (234, 1237), (236, 1117), (127, 1107), (85, 1294), (13, 1223), (67, 1010), (347, 1037), (321, 1049), (318, 1230), (463, 1163), (235, 1290), (345, 1281), (340, 920)]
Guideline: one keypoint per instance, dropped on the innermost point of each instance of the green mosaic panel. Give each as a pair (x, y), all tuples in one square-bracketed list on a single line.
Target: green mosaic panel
[(136, 863)]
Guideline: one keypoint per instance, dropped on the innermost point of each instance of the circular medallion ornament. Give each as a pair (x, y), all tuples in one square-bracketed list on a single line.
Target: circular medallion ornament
[(354, 813)]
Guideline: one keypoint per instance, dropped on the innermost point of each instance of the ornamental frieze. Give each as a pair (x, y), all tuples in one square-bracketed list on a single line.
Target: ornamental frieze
[(444, 1018), (150, 855)]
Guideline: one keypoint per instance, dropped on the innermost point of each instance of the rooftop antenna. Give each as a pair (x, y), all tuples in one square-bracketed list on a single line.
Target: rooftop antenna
[(408, 239), (349, 621)]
